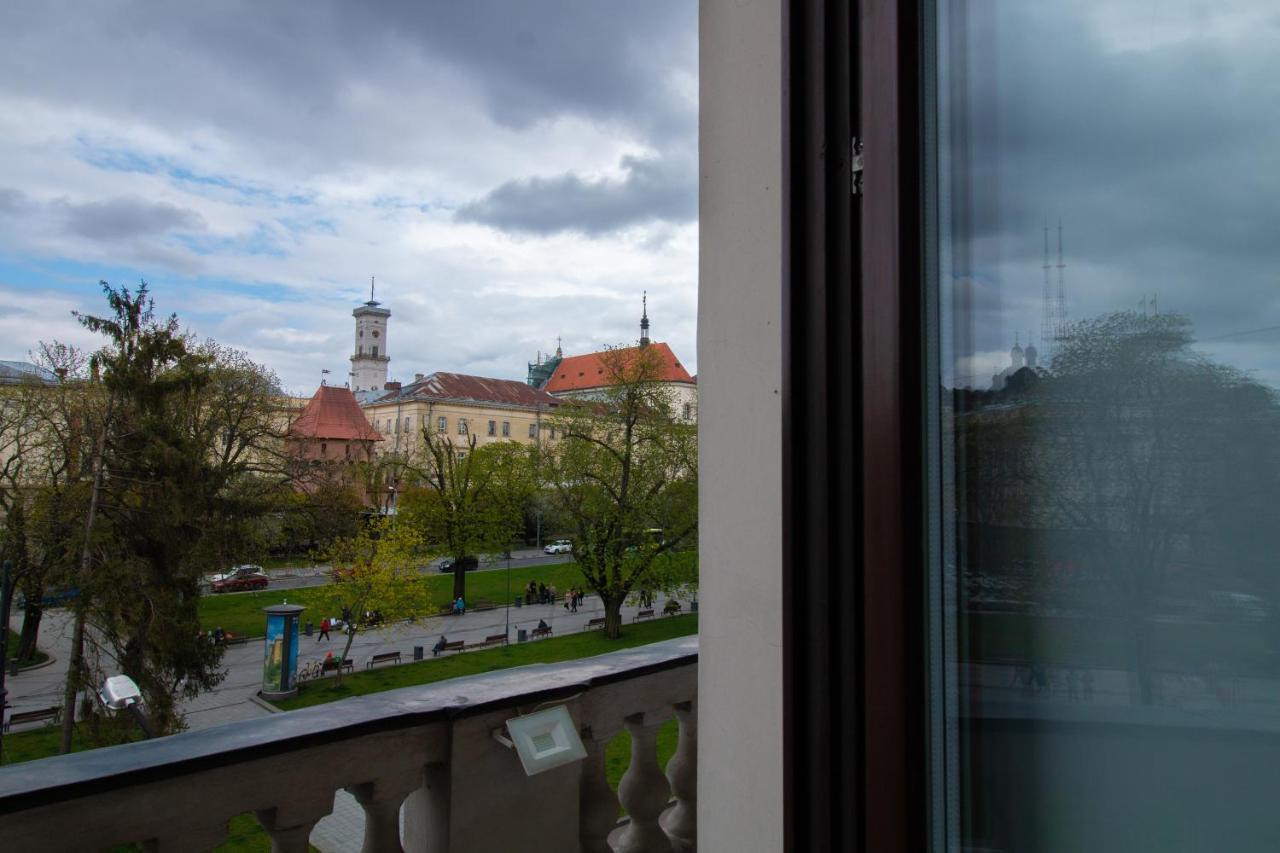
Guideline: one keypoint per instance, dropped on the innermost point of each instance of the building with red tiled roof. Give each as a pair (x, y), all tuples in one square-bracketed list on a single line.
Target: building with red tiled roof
[(578, 373), (460, 407), (585, 376), (333, 428)]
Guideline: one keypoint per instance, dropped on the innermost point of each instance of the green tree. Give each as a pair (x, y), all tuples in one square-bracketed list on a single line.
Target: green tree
[(179, 468), (1135, 457), (374, 571), (466, 499), (624, 465)]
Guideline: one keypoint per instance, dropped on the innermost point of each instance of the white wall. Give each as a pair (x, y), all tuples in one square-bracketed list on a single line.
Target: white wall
[(739, 382)]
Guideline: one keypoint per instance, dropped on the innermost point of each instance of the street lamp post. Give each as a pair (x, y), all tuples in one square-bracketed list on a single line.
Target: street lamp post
[(4, 640), (508, 607)]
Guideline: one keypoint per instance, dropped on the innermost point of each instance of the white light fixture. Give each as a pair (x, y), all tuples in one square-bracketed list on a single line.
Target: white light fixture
[(544, 739), (120, 692)]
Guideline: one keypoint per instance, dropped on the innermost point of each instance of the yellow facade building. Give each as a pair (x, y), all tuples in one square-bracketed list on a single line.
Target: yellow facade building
[(459, 406)]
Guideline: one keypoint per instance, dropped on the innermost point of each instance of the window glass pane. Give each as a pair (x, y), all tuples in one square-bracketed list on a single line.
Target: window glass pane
[(1106, 427)]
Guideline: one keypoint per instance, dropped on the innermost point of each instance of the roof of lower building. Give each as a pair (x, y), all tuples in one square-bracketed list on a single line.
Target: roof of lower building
[(333, 413), (460, 387), (15, 372), (581, 372)]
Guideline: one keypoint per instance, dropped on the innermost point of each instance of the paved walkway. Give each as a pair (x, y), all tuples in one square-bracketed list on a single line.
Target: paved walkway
[(232, 699)]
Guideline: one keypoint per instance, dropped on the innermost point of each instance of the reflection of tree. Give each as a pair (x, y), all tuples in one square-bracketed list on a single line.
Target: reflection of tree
[(1140, 453)]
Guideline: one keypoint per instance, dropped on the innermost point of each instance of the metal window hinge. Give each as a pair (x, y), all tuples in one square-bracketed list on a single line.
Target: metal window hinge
[(855, 166)]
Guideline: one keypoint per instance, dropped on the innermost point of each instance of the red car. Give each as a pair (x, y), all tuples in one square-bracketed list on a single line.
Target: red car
[(244, 577)]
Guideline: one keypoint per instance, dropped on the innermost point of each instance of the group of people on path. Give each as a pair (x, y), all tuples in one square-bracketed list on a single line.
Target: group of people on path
[(573, 598), (536, 592)]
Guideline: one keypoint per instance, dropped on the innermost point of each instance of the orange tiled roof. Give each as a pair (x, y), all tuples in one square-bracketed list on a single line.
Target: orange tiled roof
[(580, 372), (333, 413)]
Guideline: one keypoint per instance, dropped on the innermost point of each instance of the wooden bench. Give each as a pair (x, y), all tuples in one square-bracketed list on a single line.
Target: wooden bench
[(643, 614), (455, 646), (54, 714), (494, 640), (598, 622), (540, 632), (331, 665), (385, 657)]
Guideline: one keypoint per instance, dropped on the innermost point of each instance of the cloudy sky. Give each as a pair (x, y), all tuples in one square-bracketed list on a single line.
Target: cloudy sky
[(1153, 132), (509, 171)]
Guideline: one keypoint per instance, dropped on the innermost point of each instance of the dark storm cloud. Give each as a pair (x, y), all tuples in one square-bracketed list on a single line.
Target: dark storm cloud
[(1161, 158), (292, 77), (652, 189), (125, 218)]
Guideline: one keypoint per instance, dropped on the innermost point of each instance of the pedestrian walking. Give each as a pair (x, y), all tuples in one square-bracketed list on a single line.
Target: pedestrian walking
[(574, 598), (324, 630)]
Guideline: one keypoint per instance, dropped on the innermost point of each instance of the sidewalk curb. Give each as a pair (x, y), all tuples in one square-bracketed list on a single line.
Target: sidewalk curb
[(50, 661), (265, 705)]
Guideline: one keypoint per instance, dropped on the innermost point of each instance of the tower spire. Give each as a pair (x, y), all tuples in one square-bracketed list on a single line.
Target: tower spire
[(1062, 297), (644, 319), (1047, 331)]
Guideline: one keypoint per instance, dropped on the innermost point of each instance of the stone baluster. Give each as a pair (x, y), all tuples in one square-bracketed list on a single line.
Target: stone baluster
[(643, 791), (427, 811), (681, 822), (381, 800), (598, 804), (290, 825)]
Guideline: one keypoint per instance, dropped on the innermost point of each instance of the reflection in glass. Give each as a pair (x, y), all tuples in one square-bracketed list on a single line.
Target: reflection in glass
[(1106, 277)]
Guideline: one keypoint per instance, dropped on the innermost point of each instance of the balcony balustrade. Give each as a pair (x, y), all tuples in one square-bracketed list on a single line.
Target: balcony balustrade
[(427, 750)]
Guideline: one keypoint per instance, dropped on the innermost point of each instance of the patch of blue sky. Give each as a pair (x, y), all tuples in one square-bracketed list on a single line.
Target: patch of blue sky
[(261, 242), (247, 191), (299, 225), (119, 159), (81, 279)]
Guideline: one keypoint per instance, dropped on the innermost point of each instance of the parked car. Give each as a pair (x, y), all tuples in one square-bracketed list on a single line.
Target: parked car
[(468, 564), (560, 546), (212, 579), (241, 578)]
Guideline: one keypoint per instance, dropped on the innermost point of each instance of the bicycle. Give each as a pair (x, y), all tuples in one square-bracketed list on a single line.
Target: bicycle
[(311, 671)]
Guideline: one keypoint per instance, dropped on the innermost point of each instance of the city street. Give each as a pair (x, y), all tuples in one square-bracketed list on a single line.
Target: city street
[(305, 576)]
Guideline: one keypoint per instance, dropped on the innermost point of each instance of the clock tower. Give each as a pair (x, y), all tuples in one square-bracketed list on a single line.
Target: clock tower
[(369, 359)]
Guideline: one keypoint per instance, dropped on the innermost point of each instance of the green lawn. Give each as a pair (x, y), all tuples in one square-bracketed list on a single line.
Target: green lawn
[(568, 647), (40, 656), (241, 612)]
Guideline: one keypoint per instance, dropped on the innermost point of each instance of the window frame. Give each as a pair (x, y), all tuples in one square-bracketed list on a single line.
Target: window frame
[(854, 673)]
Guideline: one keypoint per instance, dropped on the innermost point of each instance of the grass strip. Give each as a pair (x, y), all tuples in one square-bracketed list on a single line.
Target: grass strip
[(569, 647)]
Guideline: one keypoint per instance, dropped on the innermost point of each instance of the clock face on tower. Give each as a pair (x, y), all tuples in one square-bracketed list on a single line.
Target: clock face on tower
[(375, 333)]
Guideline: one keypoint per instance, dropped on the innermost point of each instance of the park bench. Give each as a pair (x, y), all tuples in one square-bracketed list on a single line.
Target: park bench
[(643, 614), (455, 646), (385, 657), (331, 665), (540, 632), (235, 640), (598, 622), (493, 640), (54, 714)]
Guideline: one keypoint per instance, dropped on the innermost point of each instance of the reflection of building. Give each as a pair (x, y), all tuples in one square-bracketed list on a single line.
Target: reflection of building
[(586, 376), (459, 406), (1018, 359)]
